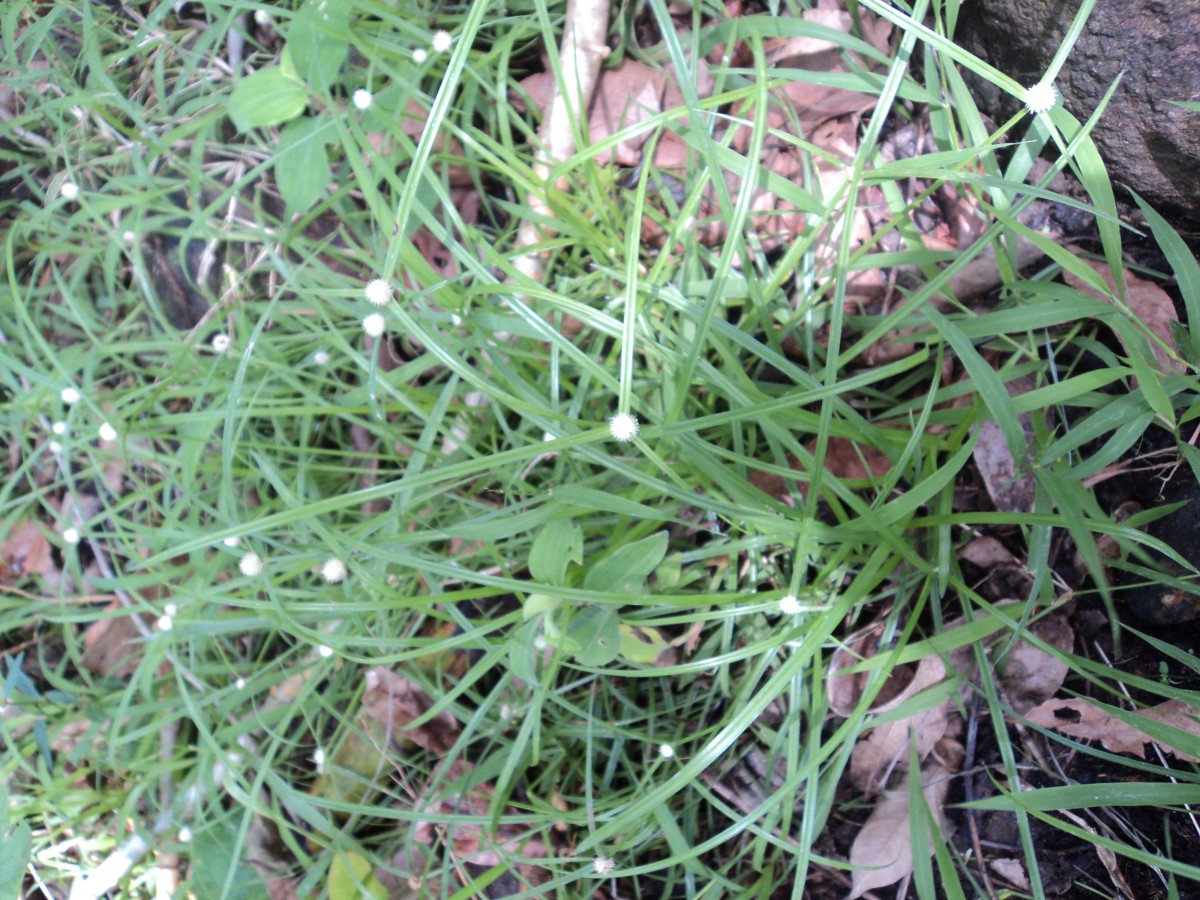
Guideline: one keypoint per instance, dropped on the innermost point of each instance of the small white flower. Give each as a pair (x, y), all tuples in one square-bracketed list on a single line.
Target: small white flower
[(71, 535), (506, 712), (319, 760), (602, 865), (379, 292), (59, 428), (623, 427), (185, 835), (70, 395), (362, 98), (55, 446), (107, 432), (666, 751), (165, 623), (441, 42), (128, 237), (1041, 97), (324, 652), (232, 541), (251, 564), (540, 643), (334, 570), (240, 684), (262, 17), (374, 324), (69, 190), (419, 56), (321, 358), (789, 605), (220, 342), (171, 609)]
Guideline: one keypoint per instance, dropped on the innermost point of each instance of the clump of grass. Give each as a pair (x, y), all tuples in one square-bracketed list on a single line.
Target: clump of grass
[(299, 452)]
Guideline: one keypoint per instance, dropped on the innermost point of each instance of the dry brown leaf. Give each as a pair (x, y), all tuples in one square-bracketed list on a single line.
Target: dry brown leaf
[(112, 645), (987, 553), (1149, 303), (843, 458), (886, 749), (882, 852), (1009, 491), (1080, 718), (1031, 675), (25, 551), (395, 702)]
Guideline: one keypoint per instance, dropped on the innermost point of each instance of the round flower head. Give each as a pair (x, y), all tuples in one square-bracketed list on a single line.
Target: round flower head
[(251, 564), (220, 342), (666, 751), (1041, 97), (71, 535), (69, 190), (441, 42), (379, 292), (789, 605), (623, 427), (107, 432), (334, 570), (362, 98), (324, 651), (602, 865), (419, 55), (262, 17), (321, 358), (374, 324), (70, 395)]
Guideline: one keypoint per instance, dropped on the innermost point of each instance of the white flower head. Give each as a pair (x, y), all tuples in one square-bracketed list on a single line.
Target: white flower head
[(165, 623), (107, 432), (324, 651), (70, 394), (59, 428), (232, 541), (1041, 97), (789, 605), (55, 446), (71, 535), (334, 570), (128, 237), (321, 357), (220, 342), (666, 751), (69, 190), (319, 760), (262, 17), (185, 835), (251, 564), (419, 55), (362, 98), (171, 609), (602, 865), (240, 684), (374, 324), (623, 427), (379, 292), (441, 42)]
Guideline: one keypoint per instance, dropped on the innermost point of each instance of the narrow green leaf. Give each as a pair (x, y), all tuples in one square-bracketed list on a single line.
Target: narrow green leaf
[(268, 97), (1183, 264)]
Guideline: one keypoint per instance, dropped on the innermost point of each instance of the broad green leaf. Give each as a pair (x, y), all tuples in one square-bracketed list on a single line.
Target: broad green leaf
[(597, 631), (536, 604), (351, 878), (523, 652), (558, 544), (218, 870), (639, 649), (302, 163), (268, 97), (318, 39), (15, 852), (625, 569)]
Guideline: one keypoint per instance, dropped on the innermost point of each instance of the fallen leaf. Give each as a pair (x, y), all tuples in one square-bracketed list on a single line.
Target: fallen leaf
[(25, 551), (987, 553), (1031, 675), (886, 749), (882, 852), (1081, 719), (112, 645), (1010, 492), (1148, 303)]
